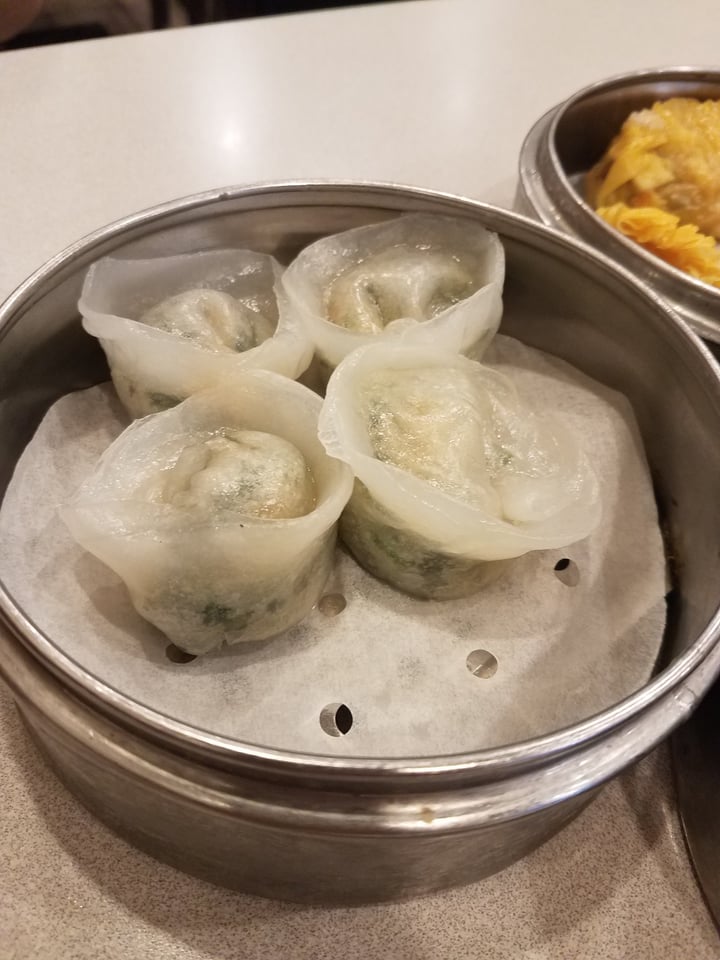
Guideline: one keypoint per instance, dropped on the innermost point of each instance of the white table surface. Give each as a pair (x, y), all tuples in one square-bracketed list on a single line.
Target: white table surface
[(436, 93)]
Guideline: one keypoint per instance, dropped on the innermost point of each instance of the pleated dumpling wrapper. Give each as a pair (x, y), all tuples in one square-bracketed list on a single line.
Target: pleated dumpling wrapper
[(219, 514), (419, 277), (454, 475), (171, 326)]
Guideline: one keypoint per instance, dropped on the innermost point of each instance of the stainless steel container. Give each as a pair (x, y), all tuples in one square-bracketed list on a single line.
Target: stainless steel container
[(313, 828), (565, 143)]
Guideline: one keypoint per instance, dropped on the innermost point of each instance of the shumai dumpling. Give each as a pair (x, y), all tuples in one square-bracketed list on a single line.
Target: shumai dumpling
[(659, 184), (667, 156)]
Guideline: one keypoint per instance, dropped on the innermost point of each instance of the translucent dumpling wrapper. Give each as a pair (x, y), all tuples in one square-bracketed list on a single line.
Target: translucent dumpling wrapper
[(418, 278), (172, 326), (454, 476), (219, 514)]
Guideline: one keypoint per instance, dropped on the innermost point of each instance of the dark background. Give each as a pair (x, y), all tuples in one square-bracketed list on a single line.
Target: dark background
[(66, 20)]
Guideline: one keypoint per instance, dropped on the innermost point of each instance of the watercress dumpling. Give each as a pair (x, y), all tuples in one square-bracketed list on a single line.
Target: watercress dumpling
[(236, 473), (454, 475), (395, 284), (420, 278), (210, 318), (171, 326), (220, 513)]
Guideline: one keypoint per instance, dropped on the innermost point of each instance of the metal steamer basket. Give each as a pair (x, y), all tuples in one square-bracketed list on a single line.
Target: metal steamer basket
[(316, 828), (569, 139)]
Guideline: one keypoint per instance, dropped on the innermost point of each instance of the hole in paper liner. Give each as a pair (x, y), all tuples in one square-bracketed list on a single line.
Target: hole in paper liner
[(336, 719), (482, 663), (567, 572), (176, 655), (332, 604)]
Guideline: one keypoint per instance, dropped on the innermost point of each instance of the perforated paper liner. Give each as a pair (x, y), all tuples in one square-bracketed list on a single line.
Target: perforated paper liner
[(538, 650)]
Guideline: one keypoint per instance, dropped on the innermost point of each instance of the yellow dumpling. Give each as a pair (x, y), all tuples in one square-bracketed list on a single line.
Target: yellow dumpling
[(667, 156), (661, 233)]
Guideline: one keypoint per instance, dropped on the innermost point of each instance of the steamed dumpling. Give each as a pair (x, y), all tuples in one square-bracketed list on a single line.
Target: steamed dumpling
[(453, 473), (172, 326), (246, 473), (210, 318), (432, 426), (220, 514), (415, 284), (418, 278)]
